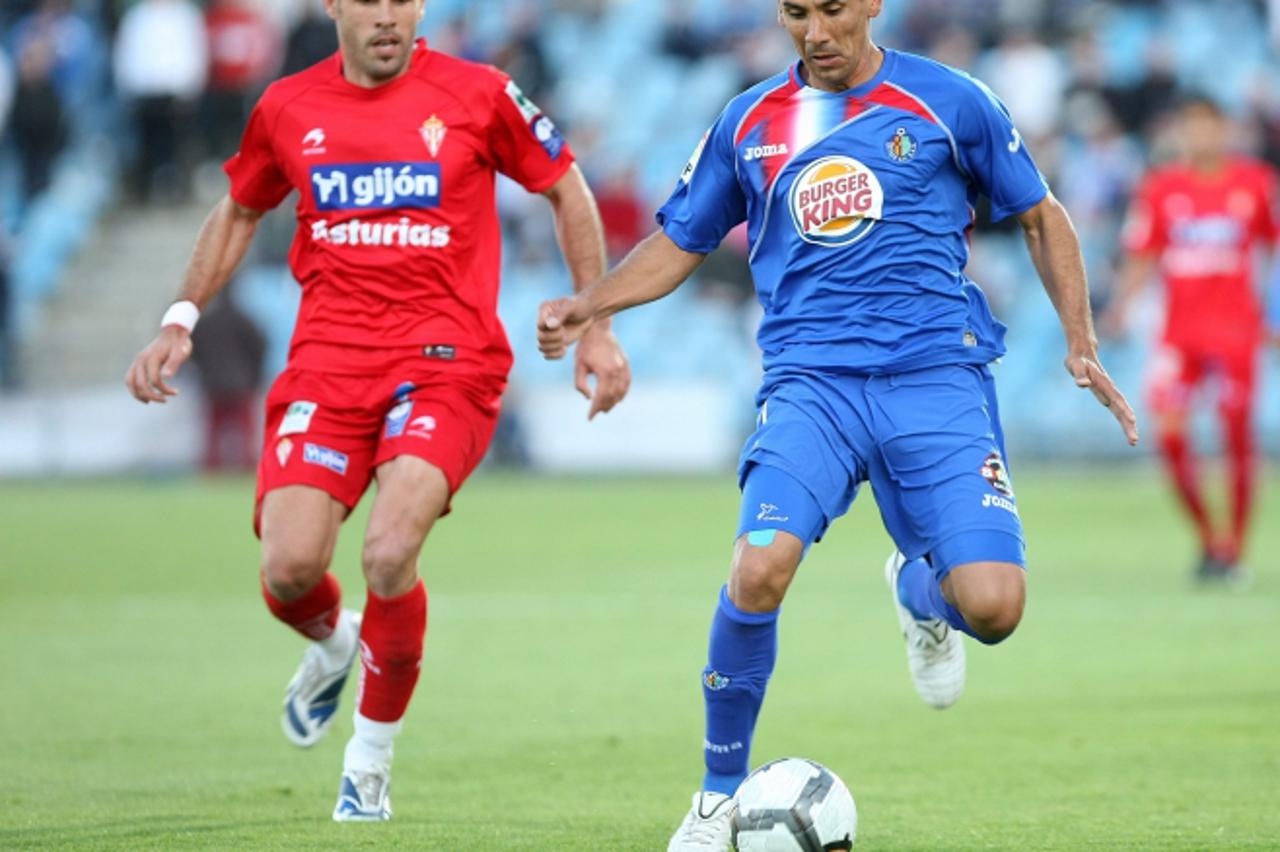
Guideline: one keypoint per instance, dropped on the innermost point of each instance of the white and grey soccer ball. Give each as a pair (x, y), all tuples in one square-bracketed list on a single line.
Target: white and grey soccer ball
[(794, 805)]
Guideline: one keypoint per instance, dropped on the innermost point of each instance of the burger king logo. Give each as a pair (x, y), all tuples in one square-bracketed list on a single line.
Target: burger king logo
[(835, 201)]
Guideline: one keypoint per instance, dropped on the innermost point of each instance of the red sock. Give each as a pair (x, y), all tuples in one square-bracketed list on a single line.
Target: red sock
[(315, 614), (1182, 467), (1242, 467), (391, 638)]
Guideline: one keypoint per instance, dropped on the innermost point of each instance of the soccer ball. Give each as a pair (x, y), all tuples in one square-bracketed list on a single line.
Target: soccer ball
[(794, 805)]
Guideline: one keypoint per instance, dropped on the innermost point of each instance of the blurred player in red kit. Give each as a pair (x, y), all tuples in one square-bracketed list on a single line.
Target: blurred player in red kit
[(1200, 222), (398, 360)]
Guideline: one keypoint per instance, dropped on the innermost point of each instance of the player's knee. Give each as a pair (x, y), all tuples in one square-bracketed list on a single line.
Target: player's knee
[(760, 577), (991, 599), (993, 612), (390, 563), (289, 575), (994, 621)]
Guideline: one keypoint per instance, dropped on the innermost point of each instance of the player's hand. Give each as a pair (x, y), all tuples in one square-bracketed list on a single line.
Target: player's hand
[(149, 374), (561, 322), (600, 354), (1088, 373)]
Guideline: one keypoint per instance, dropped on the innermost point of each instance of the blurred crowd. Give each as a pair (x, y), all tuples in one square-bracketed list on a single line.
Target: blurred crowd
[(157, 91), (170, 81)]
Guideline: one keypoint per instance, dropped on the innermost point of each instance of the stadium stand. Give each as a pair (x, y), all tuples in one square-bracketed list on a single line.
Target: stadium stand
[(634, 84)]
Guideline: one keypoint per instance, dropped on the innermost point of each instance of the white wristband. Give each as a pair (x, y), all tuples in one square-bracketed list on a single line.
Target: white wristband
[(183, 314)]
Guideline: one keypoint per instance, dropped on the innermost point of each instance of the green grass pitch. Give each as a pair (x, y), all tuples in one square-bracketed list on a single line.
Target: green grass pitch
[(560, 707)]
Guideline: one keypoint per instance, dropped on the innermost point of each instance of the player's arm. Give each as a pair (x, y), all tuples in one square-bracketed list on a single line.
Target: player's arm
[(653, 269), (223, 240), (1268, 229), (1055, 250), (1143, 239), (581, 238), (1273, 299), (707, 203), (1137, 270)]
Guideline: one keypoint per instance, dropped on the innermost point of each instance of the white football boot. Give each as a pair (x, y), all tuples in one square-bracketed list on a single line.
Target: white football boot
[(311, 698), (708, 826), (935, 651), (365, 795)]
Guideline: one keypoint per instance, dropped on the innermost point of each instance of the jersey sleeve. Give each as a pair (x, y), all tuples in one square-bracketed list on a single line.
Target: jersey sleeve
[(525, 144), (708, 201), (993, 153), (257, 179), (1144, 231)]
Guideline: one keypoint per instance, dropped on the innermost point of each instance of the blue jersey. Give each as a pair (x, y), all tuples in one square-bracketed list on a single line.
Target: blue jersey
[(858, 206), (1273, 299)]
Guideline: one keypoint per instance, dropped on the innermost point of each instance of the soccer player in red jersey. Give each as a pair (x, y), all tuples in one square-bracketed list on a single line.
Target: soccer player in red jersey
[(398, 360), (1200, 222)]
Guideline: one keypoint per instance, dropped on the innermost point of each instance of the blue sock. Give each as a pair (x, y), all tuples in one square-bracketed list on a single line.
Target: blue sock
[(743, 648), (920, 592)]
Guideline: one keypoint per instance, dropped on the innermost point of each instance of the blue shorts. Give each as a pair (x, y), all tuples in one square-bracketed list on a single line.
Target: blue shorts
[(929, 442)]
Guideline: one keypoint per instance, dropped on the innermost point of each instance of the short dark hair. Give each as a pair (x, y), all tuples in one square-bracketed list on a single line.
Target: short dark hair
[(1191, 101)]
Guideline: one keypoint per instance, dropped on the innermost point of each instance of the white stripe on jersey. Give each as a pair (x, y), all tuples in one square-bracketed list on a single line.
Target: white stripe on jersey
[(816, 114)]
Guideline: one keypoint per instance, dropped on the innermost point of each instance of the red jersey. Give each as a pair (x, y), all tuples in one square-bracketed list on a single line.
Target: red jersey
[(1203, 229), (398, 242)]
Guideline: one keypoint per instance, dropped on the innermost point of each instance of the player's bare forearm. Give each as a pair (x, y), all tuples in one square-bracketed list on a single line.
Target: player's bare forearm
[(1130, 281), (578, 227), (579, 230), (220, 246), (581, 237), (653, 269), (1055, 250), (223, 240)]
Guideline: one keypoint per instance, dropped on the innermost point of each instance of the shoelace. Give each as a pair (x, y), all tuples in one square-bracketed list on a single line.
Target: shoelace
[(926, 641)]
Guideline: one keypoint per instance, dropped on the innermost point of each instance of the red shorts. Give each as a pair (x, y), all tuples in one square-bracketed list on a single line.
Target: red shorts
[(332, 431), (1176, 373)]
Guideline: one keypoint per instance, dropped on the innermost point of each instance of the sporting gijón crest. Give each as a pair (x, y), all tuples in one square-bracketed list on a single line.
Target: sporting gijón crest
[(433, 131)]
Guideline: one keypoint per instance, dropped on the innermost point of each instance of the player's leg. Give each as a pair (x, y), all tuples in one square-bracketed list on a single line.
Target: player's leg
[(947, 500), (433, 436), (315, 464), (1236, 412), (299, 527), (1173, 379), (412, 494), (990, 596), (791, 458), (983, 599), (779, 520)]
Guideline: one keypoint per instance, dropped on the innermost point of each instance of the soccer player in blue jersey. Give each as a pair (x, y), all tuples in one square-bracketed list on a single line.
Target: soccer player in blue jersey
[(857, 170)]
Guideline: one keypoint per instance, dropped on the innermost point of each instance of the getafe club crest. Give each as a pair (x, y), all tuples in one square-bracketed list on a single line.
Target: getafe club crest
[(715, 681), (433, 131), (902, 147)]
